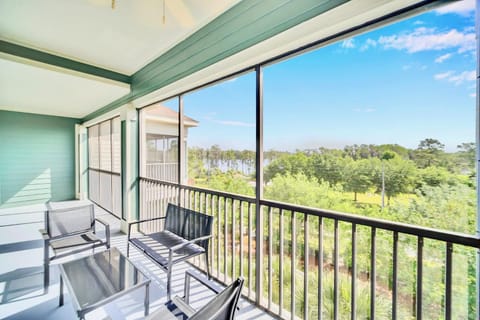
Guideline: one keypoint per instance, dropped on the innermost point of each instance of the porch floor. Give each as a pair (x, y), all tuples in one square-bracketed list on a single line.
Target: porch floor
[(21, 275)]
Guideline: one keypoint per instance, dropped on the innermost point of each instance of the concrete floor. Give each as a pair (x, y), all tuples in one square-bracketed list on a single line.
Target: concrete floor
[(21, 275)]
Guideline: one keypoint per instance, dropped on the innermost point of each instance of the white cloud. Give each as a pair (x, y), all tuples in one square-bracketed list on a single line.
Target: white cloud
[(441, 76), (443, 58), (462, 77), (418, 23), (407, 67), (463, 8), (456, 78), (365, 110), (368, 43), (348, 44), (424, 39), (473, 95)]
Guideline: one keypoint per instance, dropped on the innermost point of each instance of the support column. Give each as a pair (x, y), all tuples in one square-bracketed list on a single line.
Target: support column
[(477, 143), (81, 162), (182, 159), (259, 187), (130, 165)]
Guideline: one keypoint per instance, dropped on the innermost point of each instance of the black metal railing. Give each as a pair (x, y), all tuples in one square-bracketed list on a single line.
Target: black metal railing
[(325, 264)]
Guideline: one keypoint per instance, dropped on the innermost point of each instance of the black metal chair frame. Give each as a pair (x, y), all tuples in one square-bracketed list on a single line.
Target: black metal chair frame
[(193, 227), (223, 306)]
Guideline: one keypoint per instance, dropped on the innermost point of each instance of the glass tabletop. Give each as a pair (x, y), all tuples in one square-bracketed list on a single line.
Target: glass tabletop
[(101, 276)]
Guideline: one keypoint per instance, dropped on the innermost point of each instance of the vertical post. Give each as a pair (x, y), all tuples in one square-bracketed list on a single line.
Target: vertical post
[(181, 143), (395, 276), (448, 281), (82, 160), (259, 186), (130, 165), (419, 290), (477, 142)]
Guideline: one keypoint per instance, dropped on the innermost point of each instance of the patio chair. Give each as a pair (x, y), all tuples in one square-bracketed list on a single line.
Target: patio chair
[(186, 234), (222, 307), (69, 230)]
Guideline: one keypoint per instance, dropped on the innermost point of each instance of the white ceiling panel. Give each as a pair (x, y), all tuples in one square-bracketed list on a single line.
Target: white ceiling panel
[(122, 39), (36, 89)]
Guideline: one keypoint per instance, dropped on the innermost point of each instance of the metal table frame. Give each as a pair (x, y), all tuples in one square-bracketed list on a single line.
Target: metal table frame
[(81, 312)]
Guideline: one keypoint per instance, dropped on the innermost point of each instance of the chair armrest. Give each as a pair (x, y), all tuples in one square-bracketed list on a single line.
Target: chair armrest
[(105, 223), (107, 229), (183, 306), (181, 245), (44, 233), (130, 224), (145, 220), (206, 283)]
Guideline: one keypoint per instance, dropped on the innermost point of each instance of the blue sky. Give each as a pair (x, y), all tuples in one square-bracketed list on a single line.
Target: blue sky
[(402, 83)]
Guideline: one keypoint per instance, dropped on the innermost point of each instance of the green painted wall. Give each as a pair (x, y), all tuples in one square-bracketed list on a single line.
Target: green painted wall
[(37, 158)]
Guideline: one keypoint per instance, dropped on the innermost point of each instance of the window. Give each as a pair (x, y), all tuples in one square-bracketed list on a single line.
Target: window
[(220, 134), (381, 124), (159, 136), (104, 154)]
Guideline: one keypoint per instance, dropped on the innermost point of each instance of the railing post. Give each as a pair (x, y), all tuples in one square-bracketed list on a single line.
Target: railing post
[(259, 187)]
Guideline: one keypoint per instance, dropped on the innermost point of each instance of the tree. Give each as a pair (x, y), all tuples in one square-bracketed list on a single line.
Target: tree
[(230, 181), (429, 152), (399, 176), (329, 167), (467, 155), (289, 164), (358, 176)]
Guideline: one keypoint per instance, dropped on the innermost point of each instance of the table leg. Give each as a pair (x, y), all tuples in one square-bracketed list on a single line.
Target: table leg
[(60, 302), (147, 298)]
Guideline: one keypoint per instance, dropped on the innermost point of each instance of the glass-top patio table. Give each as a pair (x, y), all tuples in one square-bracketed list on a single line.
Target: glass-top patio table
[(99, 278)]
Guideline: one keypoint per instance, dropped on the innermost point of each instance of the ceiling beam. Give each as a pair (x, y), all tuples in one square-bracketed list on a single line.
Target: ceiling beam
[(57, 61)]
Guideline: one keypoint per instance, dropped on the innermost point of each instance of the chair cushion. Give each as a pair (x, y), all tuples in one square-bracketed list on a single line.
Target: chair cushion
[(156, 245)]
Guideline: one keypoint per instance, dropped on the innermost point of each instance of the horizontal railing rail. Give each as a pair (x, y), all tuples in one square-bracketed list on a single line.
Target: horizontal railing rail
[(105, 171), (441, 235), (165, 171), (325, 264)]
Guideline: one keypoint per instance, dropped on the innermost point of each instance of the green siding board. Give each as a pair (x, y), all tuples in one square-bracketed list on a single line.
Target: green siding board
[(242, 26), (206, 56), (37, 161), (224, 27), (202, 38), (251, 27)]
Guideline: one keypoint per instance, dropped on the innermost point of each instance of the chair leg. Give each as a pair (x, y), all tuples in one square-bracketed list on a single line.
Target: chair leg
[(208, 265), (128, 249), (169, 280), (46, 266)]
